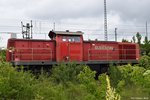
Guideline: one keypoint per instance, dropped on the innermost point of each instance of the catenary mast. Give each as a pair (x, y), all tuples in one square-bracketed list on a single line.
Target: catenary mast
[(105, 22)]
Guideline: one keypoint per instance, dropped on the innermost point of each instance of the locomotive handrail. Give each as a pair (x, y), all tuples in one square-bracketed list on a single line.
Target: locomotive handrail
[(125, 54), (19, 53)]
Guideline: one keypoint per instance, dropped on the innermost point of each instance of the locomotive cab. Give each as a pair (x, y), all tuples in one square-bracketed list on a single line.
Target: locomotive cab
[(68, 45)]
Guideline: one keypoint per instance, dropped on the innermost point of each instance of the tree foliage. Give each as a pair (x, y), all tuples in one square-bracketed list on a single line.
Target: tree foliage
[(115, 75), (131, 80), (145, 47), (64, 73), (125, 40), (103, 86), (2, 55), (15, 85), (133, 38), (67, 82), (145, 62), (139, 37)]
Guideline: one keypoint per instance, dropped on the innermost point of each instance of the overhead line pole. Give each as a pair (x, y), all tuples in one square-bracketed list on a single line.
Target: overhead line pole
[(54, 26), (146, 31), (116, 34)]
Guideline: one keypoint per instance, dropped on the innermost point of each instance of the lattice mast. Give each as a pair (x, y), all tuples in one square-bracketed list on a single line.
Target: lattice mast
[(105, 21), (27, 30)]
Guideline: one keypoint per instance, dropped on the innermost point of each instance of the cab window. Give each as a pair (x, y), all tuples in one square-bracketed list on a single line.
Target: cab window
[(71, 39), (74, 38), (64, 38)]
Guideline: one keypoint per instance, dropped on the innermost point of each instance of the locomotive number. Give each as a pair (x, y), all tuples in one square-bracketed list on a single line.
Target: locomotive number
[(104, 48)]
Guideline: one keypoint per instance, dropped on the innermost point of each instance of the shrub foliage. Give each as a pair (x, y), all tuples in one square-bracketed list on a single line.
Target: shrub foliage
[(66, 82), (76, 82)]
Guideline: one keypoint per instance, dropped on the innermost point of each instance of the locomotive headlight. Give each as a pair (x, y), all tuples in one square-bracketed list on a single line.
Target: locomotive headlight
[(93, 44), (10, 50), (67, 57), (47, 45)]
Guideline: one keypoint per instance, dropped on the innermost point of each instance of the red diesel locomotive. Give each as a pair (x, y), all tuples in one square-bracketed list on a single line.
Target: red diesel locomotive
[(66, 46)]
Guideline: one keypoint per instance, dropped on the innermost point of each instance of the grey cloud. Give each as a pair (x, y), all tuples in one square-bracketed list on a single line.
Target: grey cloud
[(66, 9), (131, 10), (128, 10)]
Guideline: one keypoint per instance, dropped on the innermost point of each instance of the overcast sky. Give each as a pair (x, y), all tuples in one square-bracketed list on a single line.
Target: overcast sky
[(129, 16)]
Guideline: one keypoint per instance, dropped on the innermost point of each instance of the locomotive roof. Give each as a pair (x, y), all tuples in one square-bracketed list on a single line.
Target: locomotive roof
[(67, 32)]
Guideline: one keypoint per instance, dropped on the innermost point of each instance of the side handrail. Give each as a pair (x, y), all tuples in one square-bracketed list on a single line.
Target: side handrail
[(32, 52), (122, 54)]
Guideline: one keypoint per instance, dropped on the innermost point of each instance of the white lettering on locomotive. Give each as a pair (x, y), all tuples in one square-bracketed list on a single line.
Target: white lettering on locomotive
[(104, 48)]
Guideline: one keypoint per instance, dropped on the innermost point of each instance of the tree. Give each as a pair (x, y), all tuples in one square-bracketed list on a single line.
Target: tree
[(139, 37), (146, 40), (125, 40), (146, 46), (133, 38)]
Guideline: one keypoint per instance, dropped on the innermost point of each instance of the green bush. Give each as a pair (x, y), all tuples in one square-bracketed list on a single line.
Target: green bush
[(132, 74), (115, 75), (65, 83), (15, 85), (2, 55), (81, 86), (146, 84), (87, 78), (133, 81), (64, 73), (78, 92), (145, 62), (103, 86)]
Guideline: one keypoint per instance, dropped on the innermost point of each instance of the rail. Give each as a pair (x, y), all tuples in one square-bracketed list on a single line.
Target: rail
[(31, 54)]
